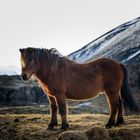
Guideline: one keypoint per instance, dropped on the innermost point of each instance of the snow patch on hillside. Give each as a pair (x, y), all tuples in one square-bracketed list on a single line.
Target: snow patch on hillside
[(131, 56)]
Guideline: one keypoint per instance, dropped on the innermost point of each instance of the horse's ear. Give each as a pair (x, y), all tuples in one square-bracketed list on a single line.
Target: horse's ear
[(20, 50)]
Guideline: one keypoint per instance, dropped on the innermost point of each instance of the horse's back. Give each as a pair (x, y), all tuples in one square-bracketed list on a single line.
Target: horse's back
[(106, 65)]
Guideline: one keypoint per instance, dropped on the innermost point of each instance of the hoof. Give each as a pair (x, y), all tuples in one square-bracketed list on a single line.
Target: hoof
[(65, 126), (120, 122), (110, 125), (51, 125)]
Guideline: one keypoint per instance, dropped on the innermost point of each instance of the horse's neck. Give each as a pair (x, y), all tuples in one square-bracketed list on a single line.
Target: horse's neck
[(42, 71), (47, 69)]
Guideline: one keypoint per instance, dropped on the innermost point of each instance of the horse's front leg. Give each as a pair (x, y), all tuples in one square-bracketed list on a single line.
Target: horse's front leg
[(53, 112), (61, 101)]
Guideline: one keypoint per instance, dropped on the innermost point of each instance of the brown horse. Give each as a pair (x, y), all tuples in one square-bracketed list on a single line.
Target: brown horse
[(62, 79)]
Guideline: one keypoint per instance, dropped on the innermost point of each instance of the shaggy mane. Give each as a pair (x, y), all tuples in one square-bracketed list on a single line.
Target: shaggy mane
[(53, 56)]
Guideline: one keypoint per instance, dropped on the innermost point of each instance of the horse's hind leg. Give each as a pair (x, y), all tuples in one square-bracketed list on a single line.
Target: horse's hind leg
[(120, 119), (53, 112), (113, 98)]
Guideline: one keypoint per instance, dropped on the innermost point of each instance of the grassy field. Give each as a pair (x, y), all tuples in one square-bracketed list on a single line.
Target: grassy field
[(82, 127)]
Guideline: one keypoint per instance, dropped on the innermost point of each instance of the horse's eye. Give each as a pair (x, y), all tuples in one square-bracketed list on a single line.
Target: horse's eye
[(30, 59), (31, 62)]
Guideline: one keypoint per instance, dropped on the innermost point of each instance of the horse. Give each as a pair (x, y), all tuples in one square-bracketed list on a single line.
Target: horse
[(62, 79)]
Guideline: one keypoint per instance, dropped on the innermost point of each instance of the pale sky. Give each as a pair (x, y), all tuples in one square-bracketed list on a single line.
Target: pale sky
[(66, 25)]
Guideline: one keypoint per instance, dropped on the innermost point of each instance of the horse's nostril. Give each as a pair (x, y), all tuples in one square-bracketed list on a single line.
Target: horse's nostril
[(24, 77)]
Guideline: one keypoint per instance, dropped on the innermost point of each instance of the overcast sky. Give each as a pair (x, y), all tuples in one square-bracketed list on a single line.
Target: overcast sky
[(66, 25)]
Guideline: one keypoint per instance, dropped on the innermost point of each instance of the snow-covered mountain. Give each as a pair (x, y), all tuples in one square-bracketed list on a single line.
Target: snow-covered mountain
[(9, 70), (121, 43)]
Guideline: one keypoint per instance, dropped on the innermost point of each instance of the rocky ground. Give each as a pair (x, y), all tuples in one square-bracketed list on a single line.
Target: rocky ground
[(82, 127)]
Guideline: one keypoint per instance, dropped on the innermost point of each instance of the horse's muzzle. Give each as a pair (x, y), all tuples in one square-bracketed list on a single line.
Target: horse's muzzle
[(24, 77)]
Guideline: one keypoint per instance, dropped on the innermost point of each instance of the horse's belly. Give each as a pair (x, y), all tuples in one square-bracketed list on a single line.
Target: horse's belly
[(75, 95)]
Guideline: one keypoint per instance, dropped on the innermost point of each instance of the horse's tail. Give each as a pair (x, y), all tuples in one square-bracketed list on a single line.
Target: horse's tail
[(126, 95)]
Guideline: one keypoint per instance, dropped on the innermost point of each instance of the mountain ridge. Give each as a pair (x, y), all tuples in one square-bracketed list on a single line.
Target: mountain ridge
[(128, 32), (102, 36)]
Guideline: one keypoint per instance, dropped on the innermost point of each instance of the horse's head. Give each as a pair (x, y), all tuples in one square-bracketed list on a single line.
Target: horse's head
[(29, 62)]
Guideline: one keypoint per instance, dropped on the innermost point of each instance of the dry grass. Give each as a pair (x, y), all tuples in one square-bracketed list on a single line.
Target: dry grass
[(82, 127)]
